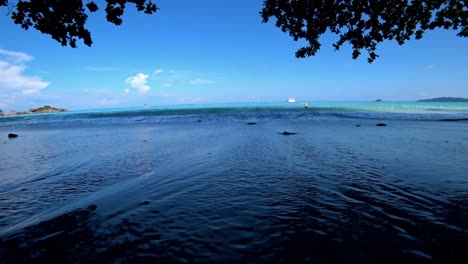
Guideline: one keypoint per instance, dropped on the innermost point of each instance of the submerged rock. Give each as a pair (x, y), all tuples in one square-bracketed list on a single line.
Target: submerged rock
[(11, 135), (251, 123), (286, 133), (381, 124), (358, 125)]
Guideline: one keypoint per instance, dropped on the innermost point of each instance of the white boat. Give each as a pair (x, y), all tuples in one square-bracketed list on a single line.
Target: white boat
[(290, 100)]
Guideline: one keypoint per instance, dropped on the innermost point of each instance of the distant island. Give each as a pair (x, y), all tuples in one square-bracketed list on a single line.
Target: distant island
[(445, 99), (378, 100), (43, 109)]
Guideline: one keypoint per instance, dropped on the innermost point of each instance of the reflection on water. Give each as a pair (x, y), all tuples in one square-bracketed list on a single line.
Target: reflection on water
[(281, 232), (236, 193)]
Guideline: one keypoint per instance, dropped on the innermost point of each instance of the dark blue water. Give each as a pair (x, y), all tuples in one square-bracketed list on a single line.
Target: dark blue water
[(207, 187)]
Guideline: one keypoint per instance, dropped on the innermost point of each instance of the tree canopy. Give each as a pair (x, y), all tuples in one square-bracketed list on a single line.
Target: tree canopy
[(364, 23), (65, 20), (361, 23)]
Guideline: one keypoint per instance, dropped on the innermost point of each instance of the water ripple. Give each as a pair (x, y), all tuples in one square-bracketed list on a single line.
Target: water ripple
[(236, 193)]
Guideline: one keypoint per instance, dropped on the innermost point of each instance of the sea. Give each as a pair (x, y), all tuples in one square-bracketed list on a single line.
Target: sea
[(333, 182)]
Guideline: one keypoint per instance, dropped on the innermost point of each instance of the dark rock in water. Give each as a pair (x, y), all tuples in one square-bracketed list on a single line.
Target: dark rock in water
[(251, 123), (286, 133), (358, 125), (11, 135), (199, 121), (381, 124), (1, 113), (378, 100)]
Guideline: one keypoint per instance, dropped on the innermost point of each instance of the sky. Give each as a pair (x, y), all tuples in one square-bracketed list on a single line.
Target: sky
[(207, 51)]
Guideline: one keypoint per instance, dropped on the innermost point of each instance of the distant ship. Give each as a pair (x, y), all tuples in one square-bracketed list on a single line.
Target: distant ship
[(290, 100)]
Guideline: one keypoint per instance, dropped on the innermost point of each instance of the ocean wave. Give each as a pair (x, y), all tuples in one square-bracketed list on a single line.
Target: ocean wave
[(389, 111)]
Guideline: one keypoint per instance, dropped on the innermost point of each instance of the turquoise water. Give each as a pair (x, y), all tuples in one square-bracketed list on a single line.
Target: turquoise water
[(392, 107), (428, 111)]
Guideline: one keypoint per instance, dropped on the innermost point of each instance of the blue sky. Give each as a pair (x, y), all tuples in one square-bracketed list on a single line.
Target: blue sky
[(214, 51)]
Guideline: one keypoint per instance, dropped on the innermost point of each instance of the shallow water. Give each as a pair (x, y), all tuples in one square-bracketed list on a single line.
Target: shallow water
[(174, 189)]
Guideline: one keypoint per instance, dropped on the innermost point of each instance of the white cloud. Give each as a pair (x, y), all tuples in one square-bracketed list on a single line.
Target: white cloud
[(15, 56), (158, 71), (429, 67), (127, 91), (200, 81), (139, 82), (30, 92), (12, 76)]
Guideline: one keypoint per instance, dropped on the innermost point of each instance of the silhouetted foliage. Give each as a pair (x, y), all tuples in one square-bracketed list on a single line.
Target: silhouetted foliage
[(65, 20), (364, 23), (361, 23)]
